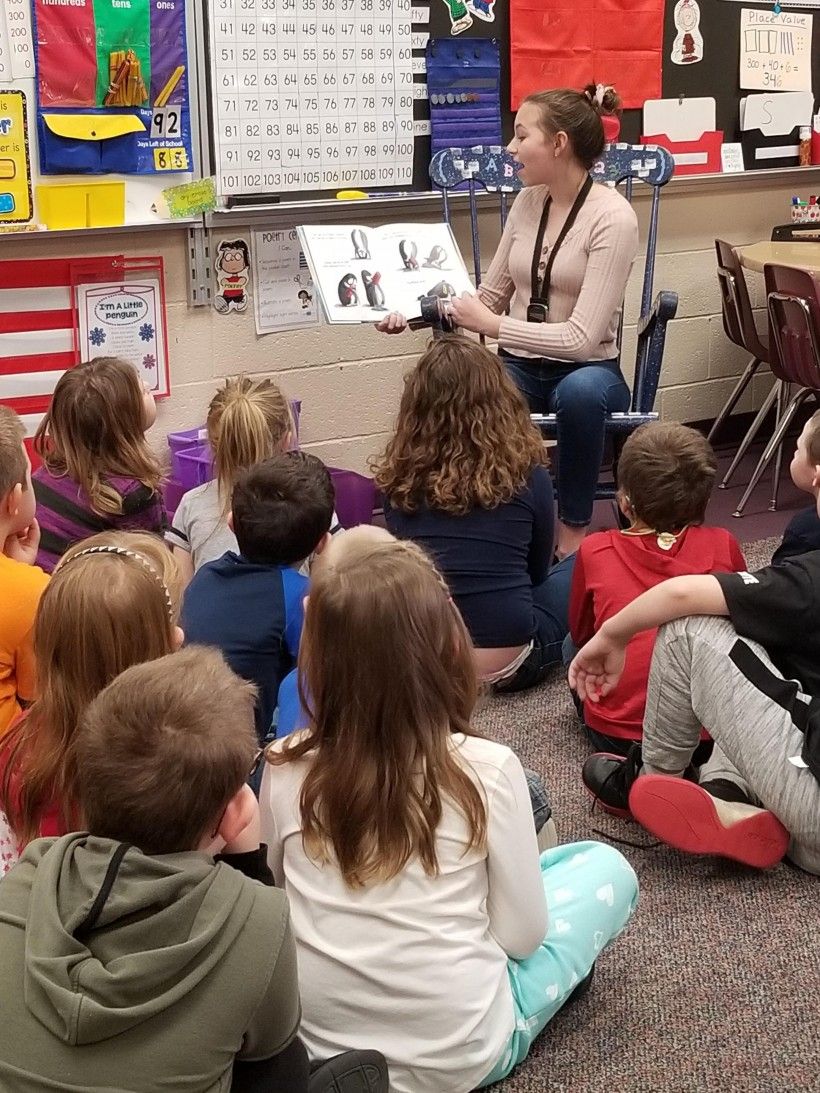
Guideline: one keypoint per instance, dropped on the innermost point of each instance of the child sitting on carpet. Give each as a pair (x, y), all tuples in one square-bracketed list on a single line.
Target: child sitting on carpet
[(249, 604), (665, 477), (248, 421), (405, 842), (464, 476), (21, 582), (803, 531), (112, 602), (98, 471), (149, 964)]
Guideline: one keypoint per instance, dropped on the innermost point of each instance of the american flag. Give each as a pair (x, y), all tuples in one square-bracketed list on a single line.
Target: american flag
[(37, 324)]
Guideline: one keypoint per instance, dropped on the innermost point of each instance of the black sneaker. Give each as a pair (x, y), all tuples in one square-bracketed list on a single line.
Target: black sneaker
[(352, 1072), (609, 779)]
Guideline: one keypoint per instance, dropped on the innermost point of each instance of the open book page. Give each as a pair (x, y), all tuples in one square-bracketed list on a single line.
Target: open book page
[(363, 273), (421, 260)]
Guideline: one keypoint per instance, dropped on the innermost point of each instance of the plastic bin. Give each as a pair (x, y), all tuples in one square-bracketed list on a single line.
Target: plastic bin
[(188, 440), (194, 467), (355, 497), (194, 443), (172, 493)]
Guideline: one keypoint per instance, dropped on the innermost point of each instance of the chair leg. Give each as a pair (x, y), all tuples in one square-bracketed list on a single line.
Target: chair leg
[(778, 462), (751, 434), (731, 402), (771, 447)]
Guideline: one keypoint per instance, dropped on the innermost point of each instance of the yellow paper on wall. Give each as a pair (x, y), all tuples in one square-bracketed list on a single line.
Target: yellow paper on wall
[(15, 165)]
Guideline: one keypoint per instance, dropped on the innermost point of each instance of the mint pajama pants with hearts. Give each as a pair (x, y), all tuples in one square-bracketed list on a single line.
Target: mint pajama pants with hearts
[(592, 893)]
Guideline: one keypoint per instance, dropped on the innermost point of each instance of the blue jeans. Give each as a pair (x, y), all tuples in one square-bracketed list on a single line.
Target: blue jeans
[(580, 395), (550, 602)]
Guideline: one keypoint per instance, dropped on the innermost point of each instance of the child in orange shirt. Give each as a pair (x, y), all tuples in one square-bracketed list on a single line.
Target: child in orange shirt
[(21, 582)]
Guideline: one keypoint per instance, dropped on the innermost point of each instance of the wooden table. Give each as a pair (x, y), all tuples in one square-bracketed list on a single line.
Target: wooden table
[(800, 255)]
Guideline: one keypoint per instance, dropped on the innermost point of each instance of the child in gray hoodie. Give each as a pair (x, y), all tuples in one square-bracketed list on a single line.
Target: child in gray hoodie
[(131, 958)]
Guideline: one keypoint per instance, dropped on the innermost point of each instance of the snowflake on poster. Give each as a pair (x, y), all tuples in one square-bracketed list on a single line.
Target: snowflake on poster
[(149, 361), (146, 332), (96, 336)]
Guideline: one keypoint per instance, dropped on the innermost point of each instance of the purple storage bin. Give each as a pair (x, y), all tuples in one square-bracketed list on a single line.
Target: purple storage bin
[(172, 494), (195, 467), (193, 444), (355, 497)]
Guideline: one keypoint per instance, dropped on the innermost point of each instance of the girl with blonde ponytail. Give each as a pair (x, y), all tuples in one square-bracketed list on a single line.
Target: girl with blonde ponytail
[(248, 421)]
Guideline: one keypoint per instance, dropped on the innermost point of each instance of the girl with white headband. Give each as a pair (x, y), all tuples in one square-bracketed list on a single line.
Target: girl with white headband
[(113, 602)]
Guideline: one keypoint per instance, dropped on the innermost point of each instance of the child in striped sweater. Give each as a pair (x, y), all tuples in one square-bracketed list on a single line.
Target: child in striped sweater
[(98, 473)]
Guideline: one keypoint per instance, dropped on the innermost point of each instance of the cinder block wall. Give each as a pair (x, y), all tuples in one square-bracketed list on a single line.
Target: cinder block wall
[(349, 378)]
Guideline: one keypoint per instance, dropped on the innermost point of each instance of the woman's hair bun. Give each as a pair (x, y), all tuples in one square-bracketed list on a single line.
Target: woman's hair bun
[(604, 98)]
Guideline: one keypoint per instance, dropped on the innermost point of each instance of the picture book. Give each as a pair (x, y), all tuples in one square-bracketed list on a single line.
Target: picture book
[(361, 274)]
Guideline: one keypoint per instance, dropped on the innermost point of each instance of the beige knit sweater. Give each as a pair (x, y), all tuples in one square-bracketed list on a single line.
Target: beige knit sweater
[(587, 283)]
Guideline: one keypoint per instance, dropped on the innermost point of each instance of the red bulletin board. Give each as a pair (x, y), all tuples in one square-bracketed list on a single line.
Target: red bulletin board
[(556, 43)]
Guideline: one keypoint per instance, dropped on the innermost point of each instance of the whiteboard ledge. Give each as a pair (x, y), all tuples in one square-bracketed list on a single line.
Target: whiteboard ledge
[(120, 229), (330, 210)]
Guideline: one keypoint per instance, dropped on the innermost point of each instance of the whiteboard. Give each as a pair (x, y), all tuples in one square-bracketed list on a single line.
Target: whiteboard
[(310, 94)]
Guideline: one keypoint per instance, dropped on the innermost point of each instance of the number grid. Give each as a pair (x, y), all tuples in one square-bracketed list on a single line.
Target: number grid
[(311, 94)]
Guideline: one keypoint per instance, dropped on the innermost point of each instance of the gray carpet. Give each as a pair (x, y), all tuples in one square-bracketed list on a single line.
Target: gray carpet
[(715, 986)]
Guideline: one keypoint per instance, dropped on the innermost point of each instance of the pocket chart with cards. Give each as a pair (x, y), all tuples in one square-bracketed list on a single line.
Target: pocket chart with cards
[(311, 94)]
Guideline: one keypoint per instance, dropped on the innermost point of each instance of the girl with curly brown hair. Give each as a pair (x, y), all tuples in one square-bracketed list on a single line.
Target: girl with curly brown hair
[(465, 477)]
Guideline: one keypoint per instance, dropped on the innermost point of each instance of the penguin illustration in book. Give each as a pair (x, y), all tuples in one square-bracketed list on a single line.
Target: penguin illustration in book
[(373, 290), (436, 258), (361, 247), (408, 251), (348, 292)]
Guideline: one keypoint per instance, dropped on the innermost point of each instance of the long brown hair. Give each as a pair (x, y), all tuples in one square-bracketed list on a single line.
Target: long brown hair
[(95, 427), (463, 438), (379, 743), (248, 422), (99, 614)]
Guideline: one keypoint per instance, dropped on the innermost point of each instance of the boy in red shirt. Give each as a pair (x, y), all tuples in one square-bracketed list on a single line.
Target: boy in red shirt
[(665, 476)]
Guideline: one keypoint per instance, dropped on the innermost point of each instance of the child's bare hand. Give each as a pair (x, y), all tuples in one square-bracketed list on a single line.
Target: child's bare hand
[(597, 667), (394, 323), (23, 546), (250, 835)]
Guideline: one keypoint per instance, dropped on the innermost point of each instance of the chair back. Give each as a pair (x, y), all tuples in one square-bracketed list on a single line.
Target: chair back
[(738, 317), (796, 233), (793, 297), (494, 170)]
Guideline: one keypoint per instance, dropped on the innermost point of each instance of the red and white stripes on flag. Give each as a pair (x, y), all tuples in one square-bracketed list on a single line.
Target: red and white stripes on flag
[(36, 331)]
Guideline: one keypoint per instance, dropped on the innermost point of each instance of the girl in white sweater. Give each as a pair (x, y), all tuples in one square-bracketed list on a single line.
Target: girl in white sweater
[(406, 846)]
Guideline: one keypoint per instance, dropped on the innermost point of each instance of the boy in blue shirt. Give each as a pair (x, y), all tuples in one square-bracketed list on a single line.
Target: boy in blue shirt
[(250, 605)]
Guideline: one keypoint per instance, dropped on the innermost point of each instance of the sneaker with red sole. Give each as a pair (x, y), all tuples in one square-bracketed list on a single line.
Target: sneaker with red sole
[(688, 817)]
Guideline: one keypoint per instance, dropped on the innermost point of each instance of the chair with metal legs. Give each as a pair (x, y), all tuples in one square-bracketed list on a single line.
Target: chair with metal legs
[(793, 298), (740, 328)]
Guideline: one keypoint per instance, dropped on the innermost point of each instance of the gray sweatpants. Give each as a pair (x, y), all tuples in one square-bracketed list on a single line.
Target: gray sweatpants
[(703, 674)]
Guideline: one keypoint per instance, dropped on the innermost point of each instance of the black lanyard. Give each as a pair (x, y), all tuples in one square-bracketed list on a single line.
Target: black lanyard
[(539, 301)]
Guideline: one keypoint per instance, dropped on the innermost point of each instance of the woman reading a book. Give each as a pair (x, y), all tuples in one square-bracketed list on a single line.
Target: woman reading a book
[(561, 267)]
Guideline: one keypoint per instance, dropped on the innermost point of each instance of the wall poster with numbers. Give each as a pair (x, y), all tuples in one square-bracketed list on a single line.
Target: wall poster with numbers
[(311, 94)]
